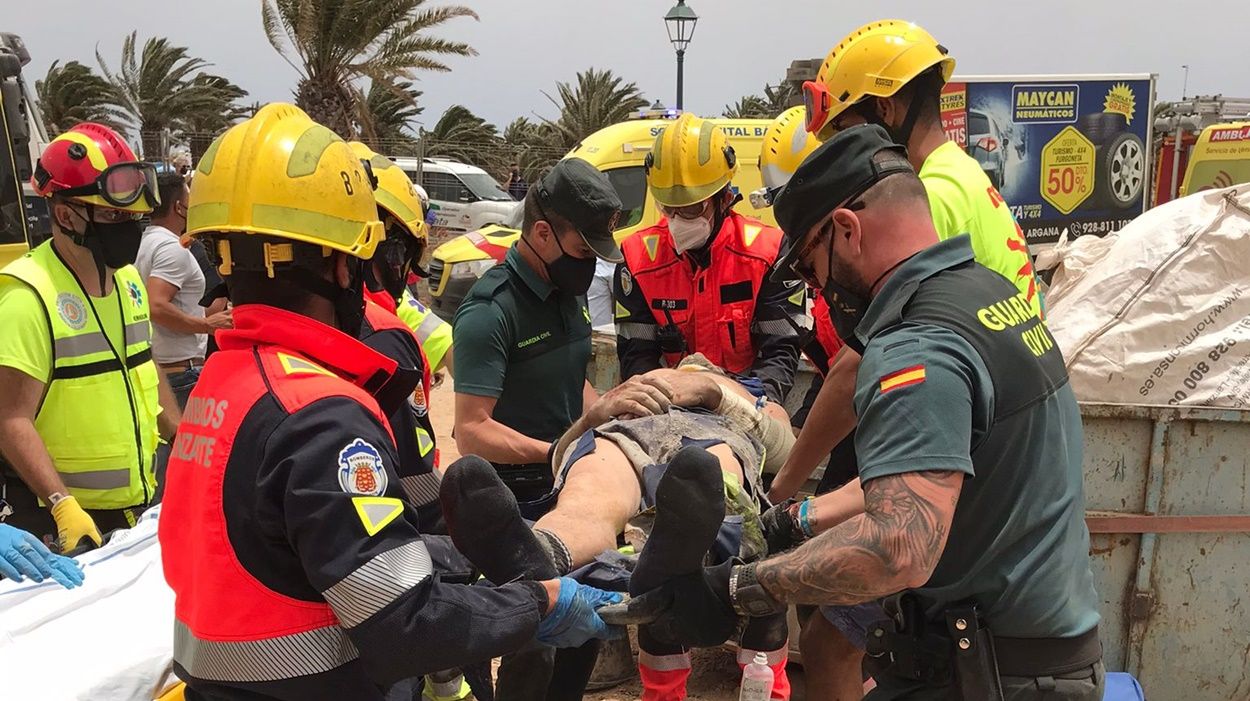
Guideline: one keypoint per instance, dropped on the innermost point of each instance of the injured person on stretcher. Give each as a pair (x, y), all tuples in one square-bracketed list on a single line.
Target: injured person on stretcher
[(712, 436)]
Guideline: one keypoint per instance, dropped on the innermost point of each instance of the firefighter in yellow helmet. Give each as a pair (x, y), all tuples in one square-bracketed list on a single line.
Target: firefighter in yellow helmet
[(297, 566), (389, 331), (398, 261), (80, 414), (697, 281), (890, 73)]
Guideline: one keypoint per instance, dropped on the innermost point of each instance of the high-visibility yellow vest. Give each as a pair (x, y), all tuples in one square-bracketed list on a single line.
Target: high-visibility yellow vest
[(98, 415), (432, 333)]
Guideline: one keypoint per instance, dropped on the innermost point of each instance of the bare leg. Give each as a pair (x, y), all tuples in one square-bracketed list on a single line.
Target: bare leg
[(832, 666), (600, 494)]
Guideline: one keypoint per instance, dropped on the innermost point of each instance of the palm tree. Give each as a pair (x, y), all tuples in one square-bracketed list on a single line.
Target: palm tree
[(73, 93), (748, 107), (463, 136), (388, 116), (598, 99), (199, 128), (333, 44), (164, 87), (532, 146), (775, 100)]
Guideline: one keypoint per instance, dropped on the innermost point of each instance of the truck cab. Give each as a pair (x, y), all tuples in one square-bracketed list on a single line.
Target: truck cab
[(618, 151), (23, 214)]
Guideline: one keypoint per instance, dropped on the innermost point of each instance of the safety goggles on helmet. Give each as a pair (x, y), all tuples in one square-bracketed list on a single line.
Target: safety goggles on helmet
[(816, 105), (122, 185)]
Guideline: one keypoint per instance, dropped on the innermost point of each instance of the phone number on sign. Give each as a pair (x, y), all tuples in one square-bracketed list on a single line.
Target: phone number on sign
[(1098, 228)]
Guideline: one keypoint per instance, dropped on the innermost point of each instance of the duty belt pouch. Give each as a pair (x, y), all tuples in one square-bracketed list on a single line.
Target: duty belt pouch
[(903, 646), (972, 650)]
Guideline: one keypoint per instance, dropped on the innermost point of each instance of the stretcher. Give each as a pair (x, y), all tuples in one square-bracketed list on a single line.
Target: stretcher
[(108, 639)]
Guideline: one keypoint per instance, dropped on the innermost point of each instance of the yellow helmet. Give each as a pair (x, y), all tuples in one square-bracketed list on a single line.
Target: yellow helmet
[(875, 60), (690, 161), (281, 174), (786, 144), (395, 192)]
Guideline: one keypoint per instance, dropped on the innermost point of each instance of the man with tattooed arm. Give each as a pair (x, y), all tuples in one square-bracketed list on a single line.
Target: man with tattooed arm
[(971, 526)]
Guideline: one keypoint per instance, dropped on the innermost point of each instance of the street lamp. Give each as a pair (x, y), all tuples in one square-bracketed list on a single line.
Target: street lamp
[(680, 22)]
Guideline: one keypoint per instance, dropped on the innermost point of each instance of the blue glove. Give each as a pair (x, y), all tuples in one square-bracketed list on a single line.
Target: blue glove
[(573, 621), (22, 555)]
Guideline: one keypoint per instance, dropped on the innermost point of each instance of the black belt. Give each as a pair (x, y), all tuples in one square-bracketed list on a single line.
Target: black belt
[(1047, 657), (961, 650)]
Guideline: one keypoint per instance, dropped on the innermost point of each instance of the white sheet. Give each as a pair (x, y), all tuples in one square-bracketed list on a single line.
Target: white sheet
[(111, 638)]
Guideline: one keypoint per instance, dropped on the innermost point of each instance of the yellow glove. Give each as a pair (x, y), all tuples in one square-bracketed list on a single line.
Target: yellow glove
[(73, 524)]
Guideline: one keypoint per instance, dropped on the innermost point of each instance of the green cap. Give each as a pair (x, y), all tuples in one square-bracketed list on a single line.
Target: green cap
[(576, 191), (844, 167)]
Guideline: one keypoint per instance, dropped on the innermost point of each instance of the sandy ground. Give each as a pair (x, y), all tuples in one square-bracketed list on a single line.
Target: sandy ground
[(715, 674)]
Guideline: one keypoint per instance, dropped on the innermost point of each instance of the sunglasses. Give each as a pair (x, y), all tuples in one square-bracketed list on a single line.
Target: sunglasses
[(800, 265)]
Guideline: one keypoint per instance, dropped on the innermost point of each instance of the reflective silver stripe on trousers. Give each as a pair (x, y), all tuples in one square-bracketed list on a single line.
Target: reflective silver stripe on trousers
[(271, 659), (421, 489), (775, 657), (97, 479), (378, 582), (635, 330), (77, 346), (664, 663), (776, 327), (138, 332), (429, 324)]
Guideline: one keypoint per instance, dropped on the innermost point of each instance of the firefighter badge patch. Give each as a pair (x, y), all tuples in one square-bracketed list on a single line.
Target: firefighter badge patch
[(361, 470)]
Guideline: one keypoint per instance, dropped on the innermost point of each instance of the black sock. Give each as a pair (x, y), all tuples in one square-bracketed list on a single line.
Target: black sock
[(485, 524), (689, 508)]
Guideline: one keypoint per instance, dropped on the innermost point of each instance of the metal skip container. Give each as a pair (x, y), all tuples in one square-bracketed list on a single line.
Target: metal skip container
[(1169, 519)]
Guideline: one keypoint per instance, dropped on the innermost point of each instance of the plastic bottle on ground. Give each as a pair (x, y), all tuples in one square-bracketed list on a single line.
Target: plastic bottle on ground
[(757, 680)]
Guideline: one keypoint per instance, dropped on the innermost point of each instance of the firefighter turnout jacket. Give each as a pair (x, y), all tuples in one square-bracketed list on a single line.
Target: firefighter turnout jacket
[(387, 334), (718, 301), (297, 568)]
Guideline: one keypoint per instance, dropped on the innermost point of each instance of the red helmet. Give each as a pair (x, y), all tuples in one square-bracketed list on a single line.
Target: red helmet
[(91, 163)]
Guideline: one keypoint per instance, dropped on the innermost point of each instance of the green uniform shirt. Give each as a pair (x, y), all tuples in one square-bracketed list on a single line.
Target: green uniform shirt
[(519, 339), (964, 202), (925, 400)]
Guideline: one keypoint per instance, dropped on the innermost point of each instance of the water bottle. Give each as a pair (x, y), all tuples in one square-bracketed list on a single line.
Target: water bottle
[(757, 680)]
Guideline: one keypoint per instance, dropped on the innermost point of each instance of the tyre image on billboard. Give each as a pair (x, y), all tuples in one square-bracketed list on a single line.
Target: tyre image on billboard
[(1066, 153)]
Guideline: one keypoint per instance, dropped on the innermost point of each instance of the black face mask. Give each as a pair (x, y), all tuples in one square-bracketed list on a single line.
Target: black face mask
[(570, 275), (391, 263), (116, 245), (846, 310), (349, 302)]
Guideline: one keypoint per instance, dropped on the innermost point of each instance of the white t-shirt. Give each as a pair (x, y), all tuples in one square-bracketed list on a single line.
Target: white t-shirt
[(599, 297), (162, 256)]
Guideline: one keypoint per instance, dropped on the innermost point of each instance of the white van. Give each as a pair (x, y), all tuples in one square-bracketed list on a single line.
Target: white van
[(462, 197)]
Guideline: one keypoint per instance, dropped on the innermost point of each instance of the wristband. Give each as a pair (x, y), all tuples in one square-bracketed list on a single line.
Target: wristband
[(748, 596), (551, 452), (804, 518)]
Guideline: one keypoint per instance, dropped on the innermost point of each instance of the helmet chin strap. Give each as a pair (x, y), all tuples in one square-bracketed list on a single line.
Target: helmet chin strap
[(90, 242)]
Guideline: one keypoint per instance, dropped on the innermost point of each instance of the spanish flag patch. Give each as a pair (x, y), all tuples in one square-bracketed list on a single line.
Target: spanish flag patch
[(906, 377)]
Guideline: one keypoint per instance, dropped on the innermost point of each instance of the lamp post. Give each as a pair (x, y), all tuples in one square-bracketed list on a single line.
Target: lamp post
[(680, 22)]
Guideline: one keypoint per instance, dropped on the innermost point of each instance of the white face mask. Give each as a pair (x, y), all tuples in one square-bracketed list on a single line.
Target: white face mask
[(689, 234)]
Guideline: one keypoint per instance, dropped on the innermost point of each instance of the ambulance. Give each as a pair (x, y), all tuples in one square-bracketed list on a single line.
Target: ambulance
[(1220, 158), (618, 151)]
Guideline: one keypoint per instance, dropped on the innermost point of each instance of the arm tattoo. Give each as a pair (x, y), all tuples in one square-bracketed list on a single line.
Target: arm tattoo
[(893, 545)]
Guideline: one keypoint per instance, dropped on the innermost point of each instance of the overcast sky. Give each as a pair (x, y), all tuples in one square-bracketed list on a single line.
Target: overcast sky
[(526, 46)]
